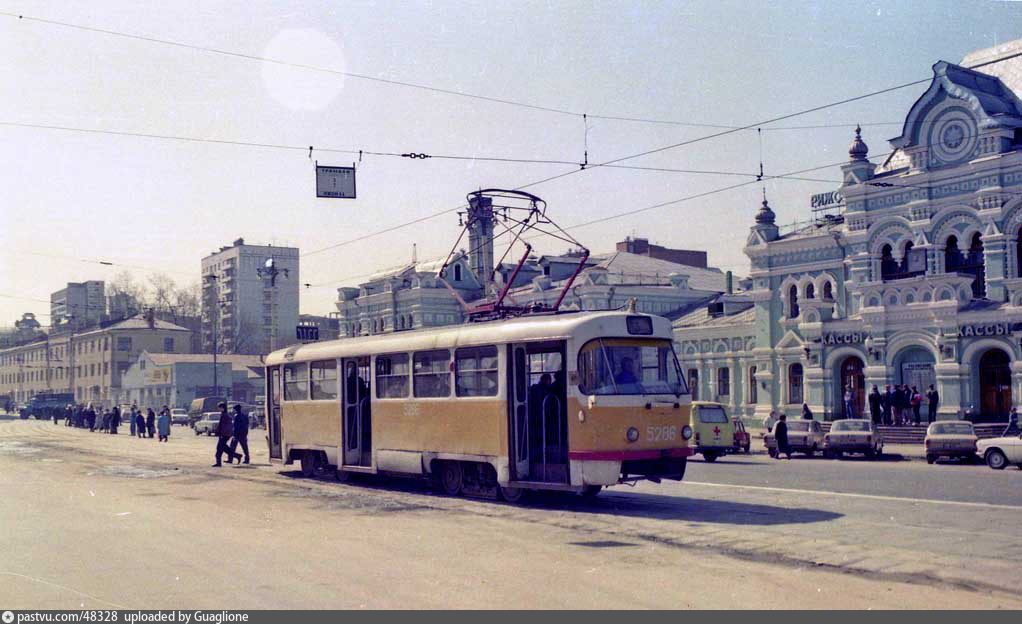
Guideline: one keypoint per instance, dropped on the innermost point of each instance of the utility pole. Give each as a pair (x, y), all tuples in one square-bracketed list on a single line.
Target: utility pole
[(214, 319), (270, 271), (71, 357)]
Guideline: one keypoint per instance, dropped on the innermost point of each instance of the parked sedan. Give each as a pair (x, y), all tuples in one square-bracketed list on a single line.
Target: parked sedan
[(208, 424), (999, 452), (950, 438), (853, 435), (804, 436)]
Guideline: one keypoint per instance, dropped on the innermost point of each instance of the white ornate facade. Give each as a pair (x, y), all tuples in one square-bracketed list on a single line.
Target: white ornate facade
[(918, 280)]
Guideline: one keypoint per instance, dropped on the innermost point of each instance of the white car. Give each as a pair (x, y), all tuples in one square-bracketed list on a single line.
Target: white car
[(178, 416), (208, 424), (999, 452)]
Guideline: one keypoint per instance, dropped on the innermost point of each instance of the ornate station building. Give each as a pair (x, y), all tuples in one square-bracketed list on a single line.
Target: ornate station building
[(917, 280)]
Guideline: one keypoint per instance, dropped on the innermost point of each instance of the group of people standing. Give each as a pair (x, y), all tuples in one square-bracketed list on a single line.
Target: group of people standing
[(901, 404), (108, 420)]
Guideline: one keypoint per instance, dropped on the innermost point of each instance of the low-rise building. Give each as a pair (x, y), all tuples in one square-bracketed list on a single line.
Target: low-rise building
[(89, 363), (175, 379)]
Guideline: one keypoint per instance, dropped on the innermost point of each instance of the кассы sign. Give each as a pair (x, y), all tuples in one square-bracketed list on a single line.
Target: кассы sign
[(988, 329), (833, 338)]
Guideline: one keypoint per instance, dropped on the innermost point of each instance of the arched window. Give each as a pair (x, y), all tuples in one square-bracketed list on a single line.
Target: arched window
[(810, 291), (793, 302), (795, 384), (953, 258), (974, 266), (828, 291), (753, 390), (888, 267)]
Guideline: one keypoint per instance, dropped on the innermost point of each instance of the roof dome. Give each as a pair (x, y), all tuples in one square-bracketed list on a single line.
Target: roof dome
[(765, 216), (858, 149)]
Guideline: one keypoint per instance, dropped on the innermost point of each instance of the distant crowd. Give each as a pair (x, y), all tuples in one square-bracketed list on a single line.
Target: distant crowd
[(143, 423)]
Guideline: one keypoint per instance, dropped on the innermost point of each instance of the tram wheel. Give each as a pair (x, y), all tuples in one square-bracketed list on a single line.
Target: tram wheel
[(511, 494), (308, 464), (343, 476), (451, 478)]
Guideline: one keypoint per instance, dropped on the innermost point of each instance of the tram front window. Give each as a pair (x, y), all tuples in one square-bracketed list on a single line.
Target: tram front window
[(629, 366)]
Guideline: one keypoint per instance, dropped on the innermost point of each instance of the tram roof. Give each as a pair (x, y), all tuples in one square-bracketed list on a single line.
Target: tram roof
[(523, 329)]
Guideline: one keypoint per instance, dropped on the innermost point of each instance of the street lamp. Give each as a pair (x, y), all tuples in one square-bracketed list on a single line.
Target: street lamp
[(214, 304)]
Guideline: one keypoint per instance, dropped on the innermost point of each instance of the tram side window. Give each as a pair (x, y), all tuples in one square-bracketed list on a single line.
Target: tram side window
[(296, 382), (392, 376), (475, 371), (324, 380), (432, 373)]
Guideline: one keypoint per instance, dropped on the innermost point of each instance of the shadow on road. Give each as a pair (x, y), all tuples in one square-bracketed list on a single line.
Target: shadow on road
[(618, 502)]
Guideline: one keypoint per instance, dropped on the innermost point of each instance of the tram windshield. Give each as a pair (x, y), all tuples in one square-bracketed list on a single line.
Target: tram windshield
[(630, 366)]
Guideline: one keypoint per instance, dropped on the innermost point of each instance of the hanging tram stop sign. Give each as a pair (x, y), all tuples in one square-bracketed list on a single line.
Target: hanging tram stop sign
[(336, 182)]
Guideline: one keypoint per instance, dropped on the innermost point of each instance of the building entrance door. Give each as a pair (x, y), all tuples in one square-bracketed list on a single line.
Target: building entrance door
[(994, 384), (852, 377)]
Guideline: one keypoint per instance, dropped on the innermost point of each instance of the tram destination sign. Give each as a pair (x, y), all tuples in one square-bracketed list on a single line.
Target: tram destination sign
[(307, 332), (336, 182)]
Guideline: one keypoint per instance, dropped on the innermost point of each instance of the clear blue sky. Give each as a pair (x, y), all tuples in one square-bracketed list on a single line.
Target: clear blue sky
[(161, 204)]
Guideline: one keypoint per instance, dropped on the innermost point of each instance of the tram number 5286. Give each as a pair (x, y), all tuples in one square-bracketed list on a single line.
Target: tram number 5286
[(661, 433)]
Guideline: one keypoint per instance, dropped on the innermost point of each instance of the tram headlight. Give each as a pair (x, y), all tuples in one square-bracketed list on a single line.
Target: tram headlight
[(633, 434), (686, 432)]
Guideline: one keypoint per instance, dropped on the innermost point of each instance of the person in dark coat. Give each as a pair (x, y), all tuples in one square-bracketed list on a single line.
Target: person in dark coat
[(150, 422), (807, 414), (888, 405), (115, 419), (133, 422), (240, 433), (90, 417), (224, 431), (932, 401), (875, 408), (140, 424), (781, 436)]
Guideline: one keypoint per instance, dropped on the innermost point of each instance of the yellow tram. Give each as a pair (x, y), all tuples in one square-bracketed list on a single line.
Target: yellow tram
[(569, 401)]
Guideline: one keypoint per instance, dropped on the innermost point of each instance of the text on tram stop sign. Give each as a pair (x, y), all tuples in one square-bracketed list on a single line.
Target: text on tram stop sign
[(337, 182)]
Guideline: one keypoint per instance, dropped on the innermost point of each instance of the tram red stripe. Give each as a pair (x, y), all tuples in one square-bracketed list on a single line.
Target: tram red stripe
[(625, 455)]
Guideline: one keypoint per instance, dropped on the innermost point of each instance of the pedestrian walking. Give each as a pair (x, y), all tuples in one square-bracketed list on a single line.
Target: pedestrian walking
[(917, 402), (150, 423), (875, 409), (1012, 428), (932, 401), (163, 424), (224, 430), (132, 421), (68, 415), (781, 437), (240, 433), (771, 419), (90, 417), (140, 423), (807, 414), (849, 402)]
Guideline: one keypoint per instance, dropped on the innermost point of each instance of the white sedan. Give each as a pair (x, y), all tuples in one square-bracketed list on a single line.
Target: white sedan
[(1000, 452), (208, 424)]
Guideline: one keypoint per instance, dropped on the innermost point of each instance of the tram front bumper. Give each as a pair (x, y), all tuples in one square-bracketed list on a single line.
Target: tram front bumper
[(612, 467)]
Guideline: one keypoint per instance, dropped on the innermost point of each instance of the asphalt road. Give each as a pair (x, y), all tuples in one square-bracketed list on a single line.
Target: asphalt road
[(94, 520)]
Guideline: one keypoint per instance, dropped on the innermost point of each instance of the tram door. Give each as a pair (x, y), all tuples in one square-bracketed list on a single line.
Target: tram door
[(538, 412), (273, 413), (358, 426)]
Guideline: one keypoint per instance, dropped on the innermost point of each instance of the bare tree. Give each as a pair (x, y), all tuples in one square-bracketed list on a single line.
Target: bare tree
[(162, 288), (248, 337), (188, 300), (124, 284)]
